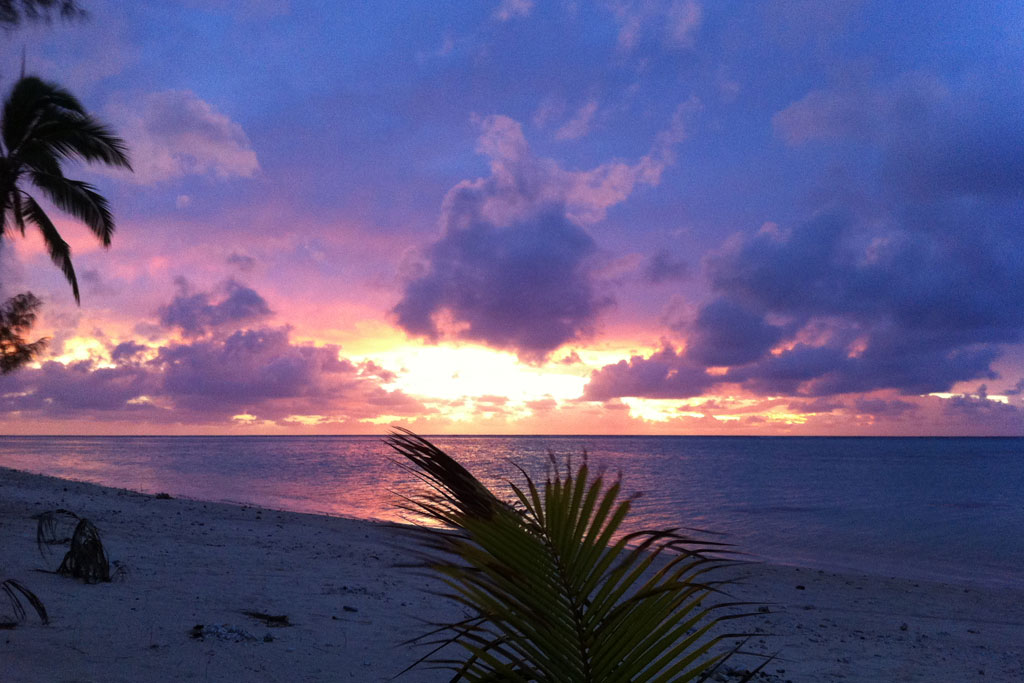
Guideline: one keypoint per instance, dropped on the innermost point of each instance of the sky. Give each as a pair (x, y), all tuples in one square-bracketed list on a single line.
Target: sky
[(786, 217)]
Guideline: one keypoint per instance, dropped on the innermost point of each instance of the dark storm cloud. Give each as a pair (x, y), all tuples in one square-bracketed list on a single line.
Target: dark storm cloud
[(665, 374), (195, 315)]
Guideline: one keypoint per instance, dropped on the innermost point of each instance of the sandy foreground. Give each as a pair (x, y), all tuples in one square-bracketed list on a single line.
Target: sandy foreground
[(192, 563)]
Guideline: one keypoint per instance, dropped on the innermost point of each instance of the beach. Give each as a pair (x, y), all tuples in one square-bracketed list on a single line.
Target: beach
[(350, 607)]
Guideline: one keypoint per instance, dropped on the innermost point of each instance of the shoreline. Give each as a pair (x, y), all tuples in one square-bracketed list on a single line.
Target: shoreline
[(195, 562)]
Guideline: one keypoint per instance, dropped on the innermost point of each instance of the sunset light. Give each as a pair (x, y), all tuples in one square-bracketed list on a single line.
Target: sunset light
[(533, 341)]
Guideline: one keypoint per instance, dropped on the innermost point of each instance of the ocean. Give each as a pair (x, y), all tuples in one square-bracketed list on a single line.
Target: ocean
[(947, 509)]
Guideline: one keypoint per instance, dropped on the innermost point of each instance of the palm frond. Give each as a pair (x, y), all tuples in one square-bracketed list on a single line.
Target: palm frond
[(87, 558), (15, 592), (12, 12), (555, 589), (29, 101), (60, 251), (71, 135), (55, 527), (81, 200), (17, 315), (43, 126)]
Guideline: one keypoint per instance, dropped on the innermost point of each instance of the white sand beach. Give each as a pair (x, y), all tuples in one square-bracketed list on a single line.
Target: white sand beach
[(195, 563)]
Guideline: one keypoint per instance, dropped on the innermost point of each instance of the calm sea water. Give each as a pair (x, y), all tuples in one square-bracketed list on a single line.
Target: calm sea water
[(947, 509)]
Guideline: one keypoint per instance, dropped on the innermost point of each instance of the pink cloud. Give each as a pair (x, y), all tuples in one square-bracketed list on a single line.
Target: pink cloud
[(678, 21), (521, 182), (174, 133), (513, 9), (579, 124)]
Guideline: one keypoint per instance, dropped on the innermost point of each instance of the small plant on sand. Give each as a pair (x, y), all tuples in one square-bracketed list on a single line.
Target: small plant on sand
[(16, 592), (86, 559), (554, 590)]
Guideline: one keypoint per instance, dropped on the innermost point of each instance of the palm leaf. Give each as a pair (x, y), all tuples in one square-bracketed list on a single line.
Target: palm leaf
[(17, 315), (15, 592), (87, 558), (60, 251), (71, 135), (43, 126), (81, 200), (555, 590)]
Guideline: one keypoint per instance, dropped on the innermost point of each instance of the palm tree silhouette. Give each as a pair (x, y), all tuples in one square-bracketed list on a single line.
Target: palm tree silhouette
[(44, 125)]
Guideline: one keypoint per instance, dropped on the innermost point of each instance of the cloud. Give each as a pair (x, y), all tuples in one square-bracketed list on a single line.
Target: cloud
[(173, 134), (127, 351), (664, 374), (879, 407), (513, 9), (79, 387), (673, 23), (243, 262), (195, 316), (513, 267), (663, 267), (936, 138), (258, 371), (725, 333), (842, 304), (917, 308), (684, 18), (525, 287), (579, 125)]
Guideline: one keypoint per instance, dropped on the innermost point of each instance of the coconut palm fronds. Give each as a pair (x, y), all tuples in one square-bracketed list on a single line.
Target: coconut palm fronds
[(16, 592), (87, 559), (54, 527), (555, 589)]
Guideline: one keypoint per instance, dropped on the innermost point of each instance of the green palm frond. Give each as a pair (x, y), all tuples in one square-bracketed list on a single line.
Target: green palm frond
[(555, 589)]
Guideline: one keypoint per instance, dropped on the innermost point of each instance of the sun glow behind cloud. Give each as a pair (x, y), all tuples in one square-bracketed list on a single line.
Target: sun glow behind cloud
[(456, 372)]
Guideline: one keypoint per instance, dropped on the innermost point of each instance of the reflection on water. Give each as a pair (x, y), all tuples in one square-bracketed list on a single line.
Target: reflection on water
[(927, 508)]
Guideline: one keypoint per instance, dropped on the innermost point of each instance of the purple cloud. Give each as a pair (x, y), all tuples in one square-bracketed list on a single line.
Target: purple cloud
[(526, 287), (209, 379), (513, 267), (936, 138), (174, 133), (880, 407), (917, 309), (195, 316), (663, 267), (664, 374), (727, 334)]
